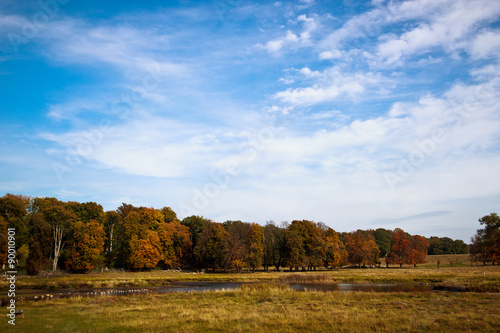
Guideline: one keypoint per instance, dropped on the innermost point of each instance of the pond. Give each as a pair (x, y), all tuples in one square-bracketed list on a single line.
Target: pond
[(185, 287)]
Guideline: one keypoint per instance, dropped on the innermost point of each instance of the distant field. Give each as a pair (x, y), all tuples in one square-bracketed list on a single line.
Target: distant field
[(445, 260)]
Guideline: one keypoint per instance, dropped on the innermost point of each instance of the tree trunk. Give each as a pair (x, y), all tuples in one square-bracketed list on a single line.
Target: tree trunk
[(111, 239), (58, 231)]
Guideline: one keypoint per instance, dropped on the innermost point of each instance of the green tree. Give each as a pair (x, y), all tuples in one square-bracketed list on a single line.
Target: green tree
[(485, 245), (213, 248), (383, 239), (38, 251), (112, 223), (274, 238), (196, 225), (61, 218), (169, 215), (3, 241), (14, 210)]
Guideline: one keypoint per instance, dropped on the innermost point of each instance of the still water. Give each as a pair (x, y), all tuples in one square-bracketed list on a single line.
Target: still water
[(186, 287)]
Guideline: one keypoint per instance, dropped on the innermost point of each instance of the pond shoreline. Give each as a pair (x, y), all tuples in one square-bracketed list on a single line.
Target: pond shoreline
[(206, 286)]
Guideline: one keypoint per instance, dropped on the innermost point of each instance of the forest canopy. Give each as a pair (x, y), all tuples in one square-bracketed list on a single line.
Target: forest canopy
[(78, 237)]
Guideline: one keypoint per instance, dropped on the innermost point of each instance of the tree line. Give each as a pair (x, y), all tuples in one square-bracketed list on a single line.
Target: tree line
[(485, 245), (53, 234)]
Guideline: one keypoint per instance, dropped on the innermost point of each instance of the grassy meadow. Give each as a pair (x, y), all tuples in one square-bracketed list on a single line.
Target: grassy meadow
[(270, 308), (269, 304)]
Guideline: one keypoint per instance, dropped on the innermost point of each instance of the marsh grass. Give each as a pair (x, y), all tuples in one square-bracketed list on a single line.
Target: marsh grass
[(307, 278), (265, 307)]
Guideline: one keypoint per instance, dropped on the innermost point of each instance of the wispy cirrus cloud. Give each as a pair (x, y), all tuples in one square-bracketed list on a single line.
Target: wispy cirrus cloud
[(152, 102)]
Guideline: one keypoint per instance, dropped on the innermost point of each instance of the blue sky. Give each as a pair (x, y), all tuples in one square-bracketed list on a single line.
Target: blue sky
[(359, 114)]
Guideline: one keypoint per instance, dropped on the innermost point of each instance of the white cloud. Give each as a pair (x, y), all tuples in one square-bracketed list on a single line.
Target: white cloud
[(292, 40), (448, 28), (427, 26), (329, 85), (334, 54), (150, 146), (131, 49), (486, 44), (328, 115)]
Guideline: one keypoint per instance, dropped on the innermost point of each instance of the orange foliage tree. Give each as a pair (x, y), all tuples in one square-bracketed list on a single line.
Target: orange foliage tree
[(335, 252), (87, 243), (406, 249), (176, 243), (420, 246), (255, 246), (362, 249), (145, 252)]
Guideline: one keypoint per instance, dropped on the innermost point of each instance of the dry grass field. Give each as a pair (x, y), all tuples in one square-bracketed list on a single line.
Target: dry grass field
[(269, 304), (269, 308)]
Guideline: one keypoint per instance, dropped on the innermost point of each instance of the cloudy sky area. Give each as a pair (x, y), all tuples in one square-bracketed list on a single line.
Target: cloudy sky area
[(359, 114)]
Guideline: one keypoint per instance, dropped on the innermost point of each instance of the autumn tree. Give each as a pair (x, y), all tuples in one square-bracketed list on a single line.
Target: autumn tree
[(293, 254), (213, 248), (125, 209), (255, 246), (87, 211), (312, 242), (361, 249), (38, 251), (335, 252), (420, 246), (238, 241), (61, 218), (151, 217), (401, 250), (86, 245), (176, 243), (145, 253)]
